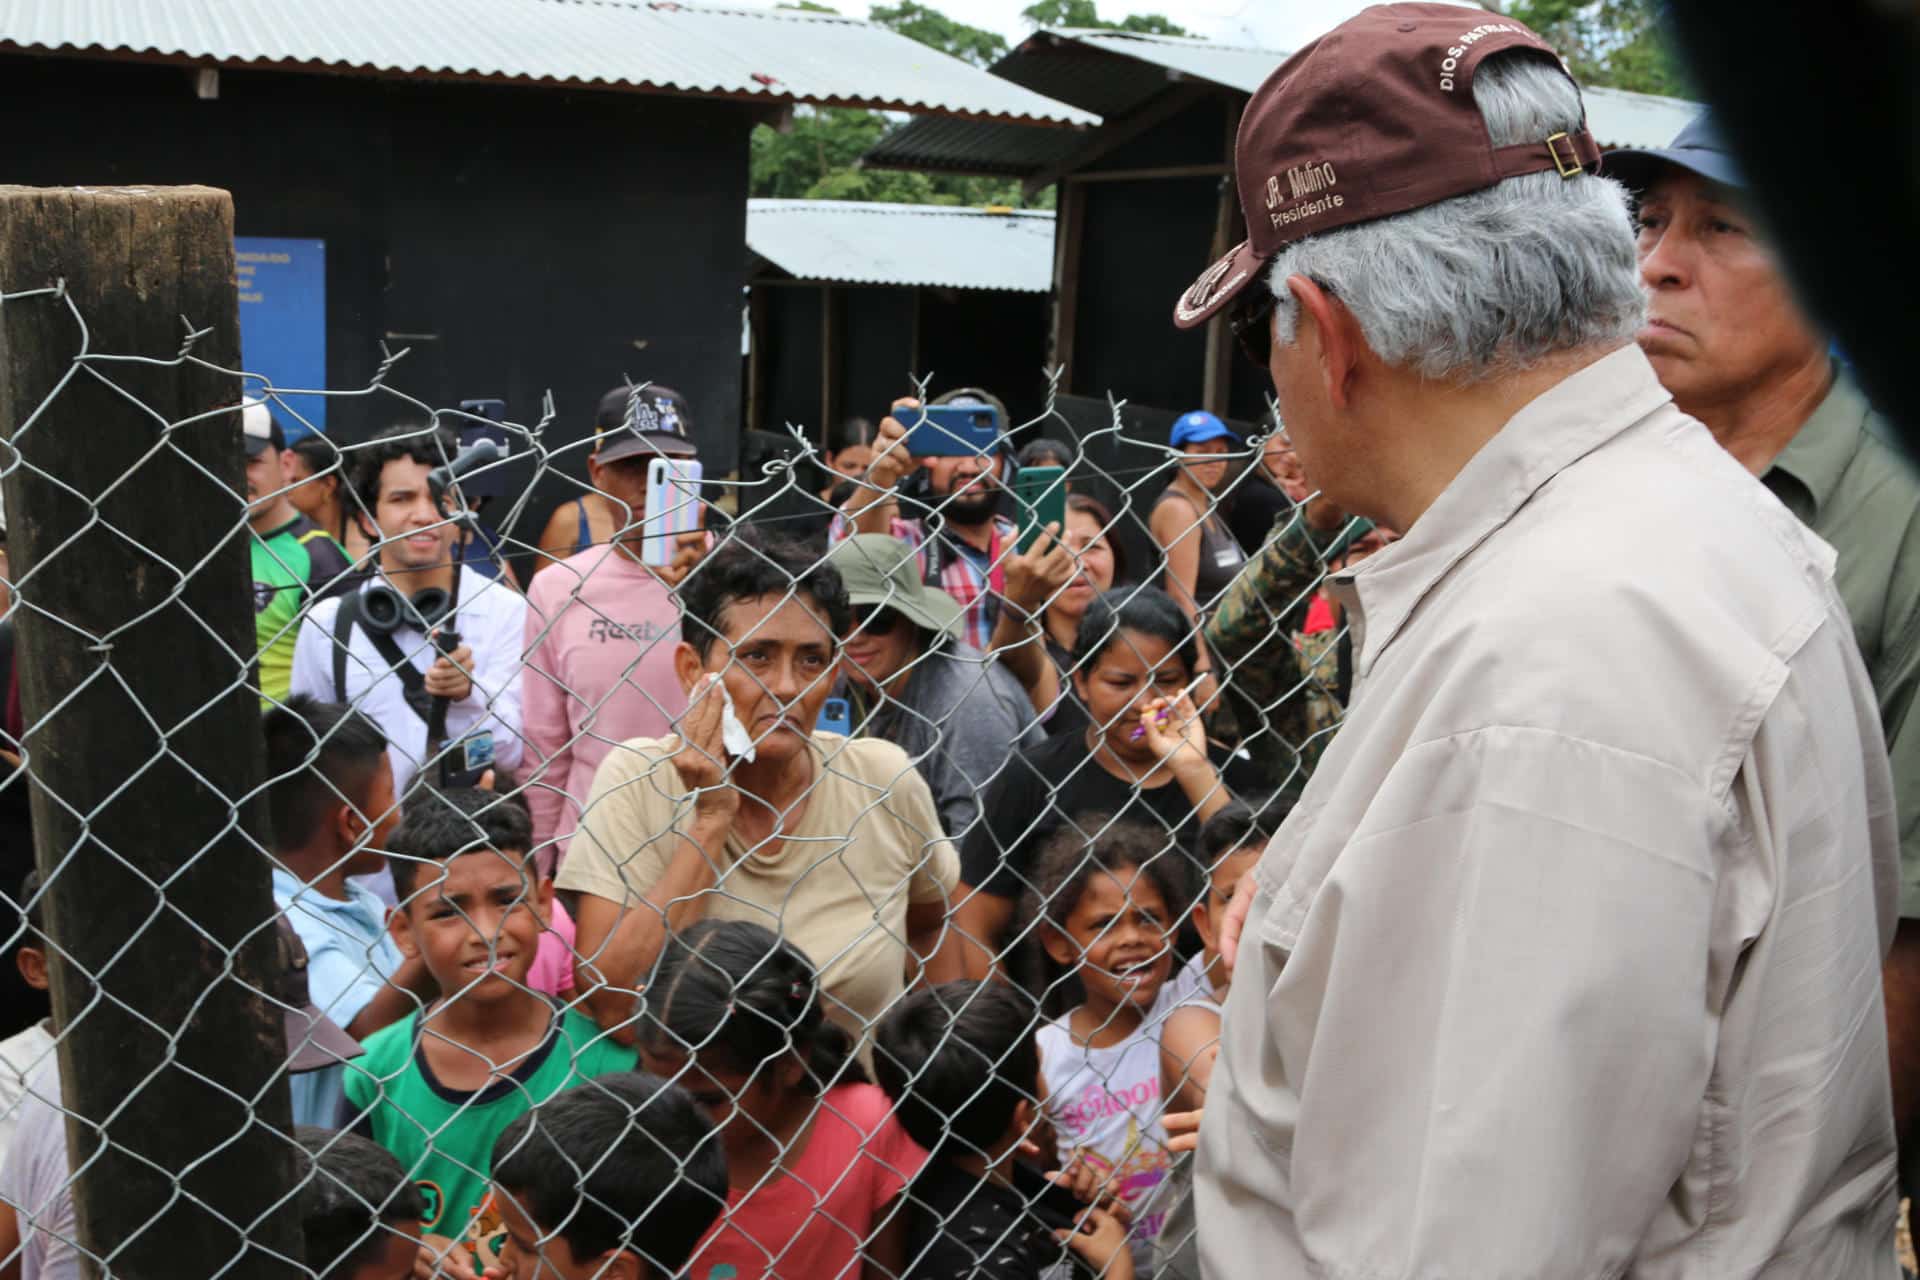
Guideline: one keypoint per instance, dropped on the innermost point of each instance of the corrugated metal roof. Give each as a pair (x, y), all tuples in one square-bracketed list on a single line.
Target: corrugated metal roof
[(1143, 66), (778, 55), (1231, 66), (972, 146), (1622, 119), (905, 244)]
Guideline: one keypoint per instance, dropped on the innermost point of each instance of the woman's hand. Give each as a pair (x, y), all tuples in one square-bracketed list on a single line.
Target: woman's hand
[(1035, 576), (701, 760), (1172, 730)]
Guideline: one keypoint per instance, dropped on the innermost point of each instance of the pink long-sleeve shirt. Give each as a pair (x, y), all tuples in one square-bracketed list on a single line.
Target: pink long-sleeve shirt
[(600, 637)]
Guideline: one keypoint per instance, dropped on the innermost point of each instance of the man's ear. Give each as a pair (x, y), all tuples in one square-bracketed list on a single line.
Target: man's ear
[(543, 898), (1337, 334), (687, 666), (1060, 948)]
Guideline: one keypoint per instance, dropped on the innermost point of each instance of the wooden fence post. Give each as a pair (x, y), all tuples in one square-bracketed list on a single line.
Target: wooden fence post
[(129, 554)]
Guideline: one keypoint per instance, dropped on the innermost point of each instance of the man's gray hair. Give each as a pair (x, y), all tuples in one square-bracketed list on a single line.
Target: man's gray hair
[(1494, 281)]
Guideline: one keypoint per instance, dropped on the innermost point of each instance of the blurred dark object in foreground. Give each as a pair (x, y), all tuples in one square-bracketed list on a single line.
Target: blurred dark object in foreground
[(1822, 105)]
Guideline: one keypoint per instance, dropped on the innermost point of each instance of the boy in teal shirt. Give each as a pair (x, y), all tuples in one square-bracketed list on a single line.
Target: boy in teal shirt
[(438, 1087)]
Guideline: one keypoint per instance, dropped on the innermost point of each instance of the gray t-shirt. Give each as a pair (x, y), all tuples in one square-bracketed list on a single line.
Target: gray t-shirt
[(960, 720), (36, 1182)]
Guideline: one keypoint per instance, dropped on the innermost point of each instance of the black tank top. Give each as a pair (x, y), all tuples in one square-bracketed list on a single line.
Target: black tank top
[(1220, 555)]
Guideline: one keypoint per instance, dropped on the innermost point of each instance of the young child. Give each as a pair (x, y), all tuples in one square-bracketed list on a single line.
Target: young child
[(1230, 843), (614, 1180), (961, 1064), (437, 1087), (360, 1214), (1104, 910), (331, 803), (815, 1158)]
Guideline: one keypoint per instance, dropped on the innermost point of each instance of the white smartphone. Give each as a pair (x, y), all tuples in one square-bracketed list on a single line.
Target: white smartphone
[(673, 507)]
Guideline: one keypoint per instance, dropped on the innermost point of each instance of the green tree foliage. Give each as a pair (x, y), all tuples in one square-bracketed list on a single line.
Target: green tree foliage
[(931, 27), (815, 160), (1086, 13), (1615, 43)]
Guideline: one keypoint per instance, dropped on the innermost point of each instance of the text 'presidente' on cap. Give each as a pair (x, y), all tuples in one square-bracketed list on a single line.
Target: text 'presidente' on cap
[(1374, 118)]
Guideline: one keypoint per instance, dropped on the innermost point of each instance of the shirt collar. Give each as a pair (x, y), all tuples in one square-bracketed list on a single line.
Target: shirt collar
[(1819, 452), (1549, 434)]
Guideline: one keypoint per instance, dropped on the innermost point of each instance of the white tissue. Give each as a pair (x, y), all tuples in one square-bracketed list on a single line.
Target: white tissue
[(733, 735)]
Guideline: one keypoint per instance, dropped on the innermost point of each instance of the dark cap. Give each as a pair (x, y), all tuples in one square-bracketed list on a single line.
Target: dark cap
[(313, 1039), (650, 421), (1374, 118), (258, 431), (1698, 148)]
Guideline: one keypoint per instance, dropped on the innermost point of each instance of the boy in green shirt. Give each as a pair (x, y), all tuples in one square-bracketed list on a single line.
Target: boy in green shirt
[(295, 561), (438, 1087)]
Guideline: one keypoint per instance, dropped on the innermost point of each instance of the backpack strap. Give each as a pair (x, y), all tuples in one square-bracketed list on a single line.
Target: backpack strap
[(412, 682)]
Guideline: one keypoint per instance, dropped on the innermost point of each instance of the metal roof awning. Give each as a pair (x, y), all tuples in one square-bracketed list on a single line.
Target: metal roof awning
[(851, 242), (1121, 71), (779, 56)]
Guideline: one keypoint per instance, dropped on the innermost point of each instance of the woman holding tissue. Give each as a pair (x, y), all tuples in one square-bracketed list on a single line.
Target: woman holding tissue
[(747, 813)]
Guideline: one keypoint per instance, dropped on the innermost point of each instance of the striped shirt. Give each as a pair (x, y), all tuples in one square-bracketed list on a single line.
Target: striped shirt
[(966, 574)]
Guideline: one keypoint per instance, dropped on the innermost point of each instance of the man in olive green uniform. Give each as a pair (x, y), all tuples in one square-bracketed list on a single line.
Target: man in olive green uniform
[(1728, 341)]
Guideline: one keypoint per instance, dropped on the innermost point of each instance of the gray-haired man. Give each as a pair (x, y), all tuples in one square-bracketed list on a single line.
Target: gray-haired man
[(1566, 964)]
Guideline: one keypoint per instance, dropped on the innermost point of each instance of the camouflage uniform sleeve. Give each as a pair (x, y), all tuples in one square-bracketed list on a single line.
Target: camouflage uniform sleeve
[(1250, 637)]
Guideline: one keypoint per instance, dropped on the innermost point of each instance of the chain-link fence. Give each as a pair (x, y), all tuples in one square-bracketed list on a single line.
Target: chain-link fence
[(884, 804)]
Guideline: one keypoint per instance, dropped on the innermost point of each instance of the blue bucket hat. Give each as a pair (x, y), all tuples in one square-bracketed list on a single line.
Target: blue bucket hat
[(1697, 148), (1199, 427)]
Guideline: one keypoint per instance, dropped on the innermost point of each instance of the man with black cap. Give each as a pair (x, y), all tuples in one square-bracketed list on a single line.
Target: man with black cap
[(631, 424), (602, 624), (295, 561), (1565, 963), (1728, 340)]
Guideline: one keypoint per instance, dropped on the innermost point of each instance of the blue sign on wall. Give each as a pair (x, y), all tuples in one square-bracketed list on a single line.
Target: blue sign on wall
[(283, 323)]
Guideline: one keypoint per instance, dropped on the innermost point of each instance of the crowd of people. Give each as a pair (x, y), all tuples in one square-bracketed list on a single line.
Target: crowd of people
[(925, 892)]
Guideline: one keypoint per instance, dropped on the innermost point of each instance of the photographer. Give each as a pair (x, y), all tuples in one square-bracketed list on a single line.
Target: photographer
[(382, 659), (949, 516)]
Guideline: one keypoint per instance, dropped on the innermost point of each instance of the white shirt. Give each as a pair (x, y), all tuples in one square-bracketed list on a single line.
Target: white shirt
[(491, 621), (21, 1055), (1567, 963), (36, 1182)]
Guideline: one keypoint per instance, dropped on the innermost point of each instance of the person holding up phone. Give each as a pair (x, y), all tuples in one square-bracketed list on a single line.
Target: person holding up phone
[(948, 511), (602, 623)]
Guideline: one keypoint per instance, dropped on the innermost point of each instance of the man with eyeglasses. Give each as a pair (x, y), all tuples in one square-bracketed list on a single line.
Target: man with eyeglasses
[(1566, 961)]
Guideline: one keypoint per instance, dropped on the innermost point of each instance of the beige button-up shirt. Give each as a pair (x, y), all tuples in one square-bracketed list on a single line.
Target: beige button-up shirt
[(1567, 963)]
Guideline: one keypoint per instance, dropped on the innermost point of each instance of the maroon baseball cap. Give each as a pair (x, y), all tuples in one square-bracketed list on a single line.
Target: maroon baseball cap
[(1374, 118)]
